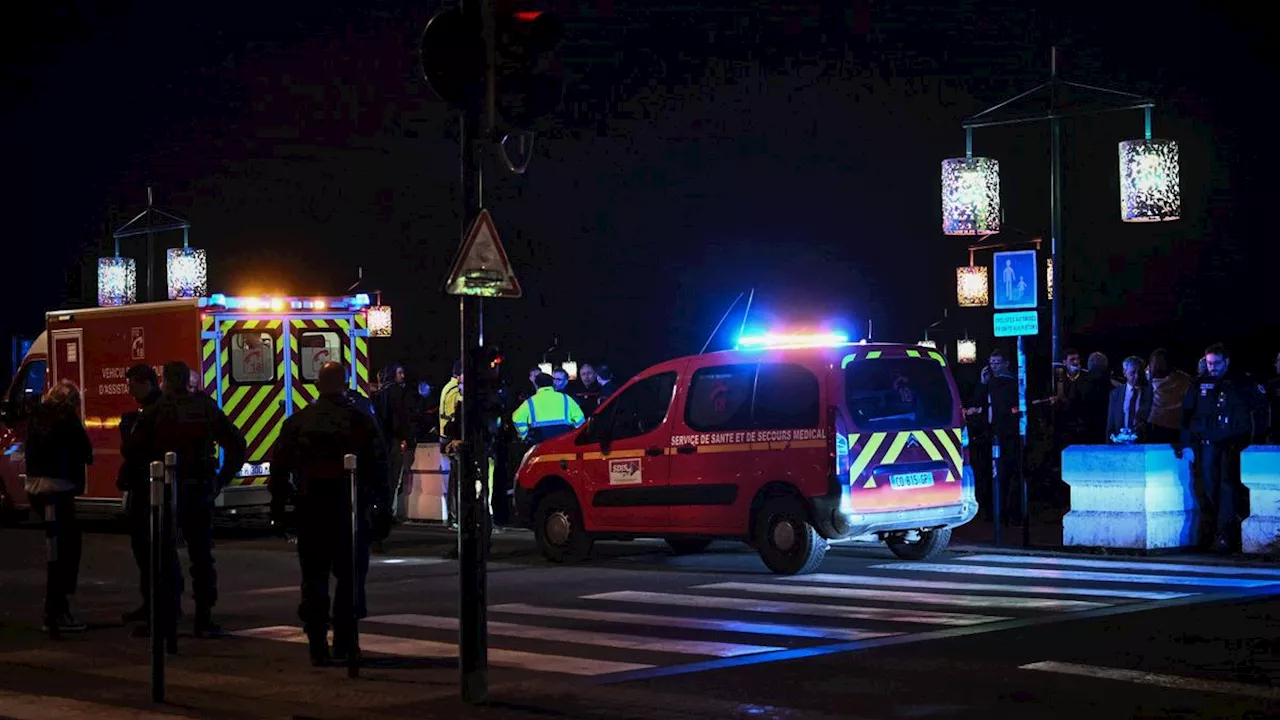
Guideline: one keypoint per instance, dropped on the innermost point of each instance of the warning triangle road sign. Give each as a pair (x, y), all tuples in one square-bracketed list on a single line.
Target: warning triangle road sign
[(482, 268)]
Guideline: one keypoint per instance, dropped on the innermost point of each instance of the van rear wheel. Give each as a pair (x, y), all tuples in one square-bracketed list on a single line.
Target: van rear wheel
[(558, 528), (788, 544), (687, 546), (930, 544)]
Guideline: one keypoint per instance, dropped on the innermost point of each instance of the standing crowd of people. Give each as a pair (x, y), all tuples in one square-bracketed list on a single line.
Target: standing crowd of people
[(1207, 419)]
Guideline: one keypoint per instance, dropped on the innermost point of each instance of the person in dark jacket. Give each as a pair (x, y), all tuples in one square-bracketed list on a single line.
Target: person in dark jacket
[(1130, 405), (307, 468), (1218, 419), (604, 377), (397, 405), (193, 427), (57, 452), (1001, 388), (134, 478)]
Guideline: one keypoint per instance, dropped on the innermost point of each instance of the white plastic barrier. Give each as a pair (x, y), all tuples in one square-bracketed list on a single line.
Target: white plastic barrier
[(1129, 496), (423, 497), (1260, 474)]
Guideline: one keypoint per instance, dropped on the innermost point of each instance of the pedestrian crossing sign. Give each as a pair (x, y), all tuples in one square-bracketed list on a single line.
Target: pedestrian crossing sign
[(1015, 274)]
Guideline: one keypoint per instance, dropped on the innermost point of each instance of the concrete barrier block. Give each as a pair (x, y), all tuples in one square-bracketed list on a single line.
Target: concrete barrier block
[(1129, 496), (1260, 475), (423, 495)]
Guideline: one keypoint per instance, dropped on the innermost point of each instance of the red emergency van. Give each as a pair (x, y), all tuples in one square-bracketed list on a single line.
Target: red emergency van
[(784, 443), (257, 356)]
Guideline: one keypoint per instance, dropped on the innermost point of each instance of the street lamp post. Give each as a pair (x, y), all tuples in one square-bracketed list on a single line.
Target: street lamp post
[(1117, 101)]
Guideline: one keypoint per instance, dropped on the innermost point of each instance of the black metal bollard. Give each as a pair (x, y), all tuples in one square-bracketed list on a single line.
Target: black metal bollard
[(171, 487), (157, 570), (353, 660)]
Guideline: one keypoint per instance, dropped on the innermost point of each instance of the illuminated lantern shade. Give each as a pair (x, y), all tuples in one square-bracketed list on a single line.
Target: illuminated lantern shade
[(1048, 283), (966, 351), (571, 368), (970, 196), (188, 273), (117, 281), (1149, 183), (972, 286), (928, 343), (380, 321), (546, 368)]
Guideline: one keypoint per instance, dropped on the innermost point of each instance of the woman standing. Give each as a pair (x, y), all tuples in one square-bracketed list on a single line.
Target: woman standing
[(58, 450)]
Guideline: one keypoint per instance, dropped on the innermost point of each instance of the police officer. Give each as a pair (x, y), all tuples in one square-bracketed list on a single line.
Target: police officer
[(311, 448), (547, 413), (189, 425), (1218, 417)]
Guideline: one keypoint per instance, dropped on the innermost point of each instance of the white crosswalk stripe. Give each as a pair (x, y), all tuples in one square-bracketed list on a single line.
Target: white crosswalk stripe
[(628, 631)]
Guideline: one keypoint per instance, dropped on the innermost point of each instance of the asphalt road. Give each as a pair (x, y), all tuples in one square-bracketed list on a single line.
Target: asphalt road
[(637, 632)]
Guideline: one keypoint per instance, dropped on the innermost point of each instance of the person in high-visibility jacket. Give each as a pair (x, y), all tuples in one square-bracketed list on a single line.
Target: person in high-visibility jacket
[(546, 414)]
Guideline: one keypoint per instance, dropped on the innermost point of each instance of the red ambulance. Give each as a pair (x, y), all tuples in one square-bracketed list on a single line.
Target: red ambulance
[(785, 443), (257, 356)]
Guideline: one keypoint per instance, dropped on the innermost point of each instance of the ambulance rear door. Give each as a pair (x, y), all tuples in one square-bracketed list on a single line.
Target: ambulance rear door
[(245, 368), (317, 338)]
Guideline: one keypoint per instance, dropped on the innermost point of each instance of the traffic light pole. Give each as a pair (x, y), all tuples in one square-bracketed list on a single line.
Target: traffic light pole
[(477, 124)]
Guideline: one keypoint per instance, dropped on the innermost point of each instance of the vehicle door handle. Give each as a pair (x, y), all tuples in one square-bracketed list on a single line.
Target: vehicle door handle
[(653, 451), (687, 449)]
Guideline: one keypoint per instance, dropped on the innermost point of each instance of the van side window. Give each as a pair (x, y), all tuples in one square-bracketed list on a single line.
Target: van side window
[(786, 398), (720, 398), (639, 409), (30, 384)]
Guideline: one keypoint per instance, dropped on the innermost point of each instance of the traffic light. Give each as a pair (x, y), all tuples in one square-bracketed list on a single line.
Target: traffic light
[(526, 43)]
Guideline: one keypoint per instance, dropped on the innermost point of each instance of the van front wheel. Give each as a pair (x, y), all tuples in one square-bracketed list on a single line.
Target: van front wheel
[(930, 544), (788, 544), (559, 530)]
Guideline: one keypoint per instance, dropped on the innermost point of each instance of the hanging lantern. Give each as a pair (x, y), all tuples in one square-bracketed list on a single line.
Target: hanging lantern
[(966, 351), (571, 368), (545, 367), (117, 281), (972, 286), (188, 273), (1149, 185), (928, 343), (379, 317), (1048, 283), (970, 196)]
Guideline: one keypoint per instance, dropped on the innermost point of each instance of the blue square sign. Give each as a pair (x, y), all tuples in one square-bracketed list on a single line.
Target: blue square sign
[(1015, 274)]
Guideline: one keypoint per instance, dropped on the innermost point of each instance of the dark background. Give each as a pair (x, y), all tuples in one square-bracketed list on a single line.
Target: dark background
[(702, 150)]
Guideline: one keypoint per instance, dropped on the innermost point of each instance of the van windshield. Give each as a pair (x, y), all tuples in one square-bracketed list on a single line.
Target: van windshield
[(898, 394)]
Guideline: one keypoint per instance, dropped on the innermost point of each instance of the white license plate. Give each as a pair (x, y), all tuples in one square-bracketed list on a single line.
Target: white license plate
[(911, 480)]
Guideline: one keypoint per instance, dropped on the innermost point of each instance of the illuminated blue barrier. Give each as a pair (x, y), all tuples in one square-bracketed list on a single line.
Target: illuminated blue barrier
[(1129, 496), (1260, 474)]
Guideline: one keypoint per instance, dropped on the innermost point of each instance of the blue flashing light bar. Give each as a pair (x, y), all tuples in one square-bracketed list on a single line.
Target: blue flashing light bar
[(280, 304), (789, 340)]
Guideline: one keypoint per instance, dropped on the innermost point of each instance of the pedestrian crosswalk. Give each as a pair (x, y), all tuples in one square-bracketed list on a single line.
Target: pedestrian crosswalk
[(629, 629)]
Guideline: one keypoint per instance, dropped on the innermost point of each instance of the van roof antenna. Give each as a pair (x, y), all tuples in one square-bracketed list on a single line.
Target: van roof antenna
[(746, 313), (722, 319), (359, 278)]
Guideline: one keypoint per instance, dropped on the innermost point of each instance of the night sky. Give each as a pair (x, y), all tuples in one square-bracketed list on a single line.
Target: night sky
[(703, 149)]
